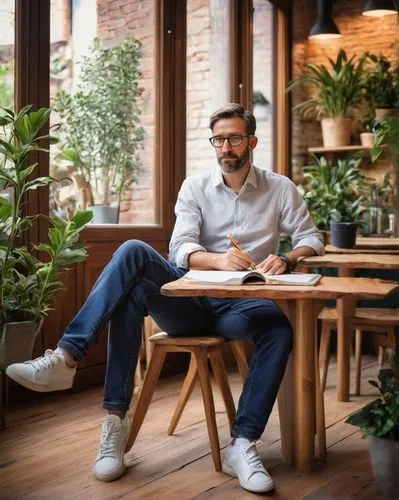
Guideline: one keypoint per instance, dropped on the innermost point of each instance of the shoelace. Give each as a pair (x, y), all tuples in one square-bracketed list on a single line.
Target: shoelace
[(251, 456), (109, 440), (49, 359)]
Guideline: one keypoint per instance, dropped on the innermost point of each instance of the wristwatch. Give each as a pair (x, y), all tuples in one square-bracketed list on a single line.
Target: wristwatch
[(289, 267)]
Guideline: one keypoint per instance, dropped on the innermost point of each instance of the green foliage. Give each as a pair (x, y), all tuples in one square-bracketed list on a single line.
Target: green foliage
[(370, 124), (381, 83), (102, 135), (380, 418), (6, 88), (27, 284), (333, 192), (336, 90)]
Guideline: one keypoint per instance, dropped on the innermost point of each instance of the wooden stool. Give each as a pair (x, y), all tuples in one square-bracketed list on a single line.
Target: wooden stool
[(377, 319), (201, 349)]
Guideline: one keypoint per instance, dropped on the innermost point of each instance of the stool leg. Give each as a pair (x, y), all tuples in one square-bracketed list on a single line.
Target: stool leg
[(147, 390), (206, 389), (381, 352), (220, 373), (358, 359), (185, 393), (324, 352), (238, 348)]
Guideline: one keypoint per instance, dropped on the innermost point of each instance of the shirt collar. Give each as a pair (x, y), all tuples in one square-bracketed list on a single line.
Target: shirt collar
[(217, 177)]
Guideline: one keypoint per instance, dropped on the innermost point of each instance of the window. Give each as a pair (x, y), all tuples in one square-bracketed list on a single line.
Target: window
[(7, 37), (102, 87), (208, 76), (263, 82)]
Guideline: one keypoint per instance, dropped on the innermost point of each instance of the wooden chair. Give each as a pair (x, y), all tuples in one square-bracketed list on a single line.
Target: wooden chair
[(375, 319), (201, 349)]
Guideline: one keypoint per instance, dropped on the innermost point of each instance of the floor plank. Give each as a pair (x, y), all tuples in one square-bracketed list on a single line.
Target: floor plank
[(49, 446)]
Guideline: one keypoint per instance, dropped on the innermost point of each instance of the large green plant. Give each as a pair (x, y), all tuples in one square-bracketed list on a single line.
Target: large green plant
[(102, 131), (380, 418), (28, 285), (381, 83), (333, 192), (336, 91)]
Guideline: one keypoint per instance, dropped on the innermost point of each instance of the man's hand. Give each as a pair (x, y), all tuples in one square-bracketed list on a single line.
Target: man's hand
[(233, 260), (272, 265)]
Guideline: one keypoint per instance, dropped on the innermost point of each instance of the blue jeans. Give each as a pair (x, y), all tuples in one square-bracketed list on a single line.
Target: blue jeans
[(129, 289)]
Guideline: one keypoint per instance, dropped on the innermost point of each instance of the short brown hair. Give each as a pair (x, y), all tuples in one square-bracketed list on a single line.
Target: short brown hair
[(231, 110)]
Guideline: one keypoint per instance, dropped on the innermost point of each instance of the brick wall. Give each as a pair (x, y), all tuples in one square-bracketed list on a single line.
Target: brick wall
[(359, 34)]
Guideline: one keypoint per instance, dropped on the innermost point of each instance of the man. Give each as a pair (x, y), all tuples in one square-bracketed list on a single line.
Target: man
[(239, 199)]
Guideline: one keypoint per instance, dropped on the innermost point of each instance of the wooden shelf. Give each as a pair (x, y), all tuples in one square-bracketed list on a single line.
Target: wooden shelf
[(341, 149)]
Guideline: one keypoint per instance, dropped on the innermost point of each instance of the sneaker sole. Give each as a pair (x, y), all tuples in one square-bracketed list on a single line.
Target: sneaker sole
[(116, 474), (230, 471), (61, 386)]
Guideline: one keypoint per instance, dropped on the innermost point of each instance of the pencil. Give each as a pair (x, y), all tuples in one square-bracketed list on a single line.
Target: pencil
[(235, 244)]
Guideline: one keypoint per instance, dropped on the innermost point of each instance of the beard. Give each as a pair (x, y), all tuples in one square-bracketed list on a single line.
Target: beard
[(231, 162)]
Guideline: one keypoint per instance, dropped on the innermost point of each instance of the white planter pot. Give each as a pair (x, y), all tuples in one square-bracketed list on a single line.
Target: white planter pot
[(367, 139), (336, 131), (384, 455), (104, 214)]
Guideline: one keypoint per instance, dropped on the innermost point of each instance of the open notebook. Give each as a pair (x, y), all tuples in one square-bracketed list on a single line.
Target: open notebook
[(251, 278)]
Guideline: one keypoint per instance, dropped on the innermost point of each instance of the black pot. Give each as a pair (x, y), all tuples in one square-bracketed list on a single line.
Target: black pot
[(343, 234)]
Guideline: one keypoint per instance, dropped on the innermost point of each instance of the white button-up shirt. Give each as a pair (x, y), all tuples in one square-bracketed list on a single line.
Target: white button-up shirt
[(207, 211)]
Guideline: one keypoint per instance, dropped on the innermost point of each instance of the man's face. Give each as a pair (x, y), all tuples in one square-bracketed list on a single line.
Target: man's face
[(233, 158)]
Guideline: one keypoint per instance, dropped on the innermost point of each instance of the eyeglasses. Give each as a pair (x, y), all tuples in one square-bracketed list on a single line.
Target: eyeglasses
[(217, 141)]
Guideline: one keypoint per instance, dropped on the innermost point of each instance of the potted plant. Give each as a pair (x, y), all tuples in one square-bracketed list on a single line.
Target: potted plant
[(382, 86), (334, 196), (379, 423), (28, 284), (387, 140), (336, 92), (101, 132), (367, 138)]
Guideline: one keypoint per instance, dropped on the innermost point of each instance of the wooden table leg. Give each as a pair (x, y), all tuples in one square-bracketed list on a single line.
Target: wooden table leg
[(304, 386), (345, 310)]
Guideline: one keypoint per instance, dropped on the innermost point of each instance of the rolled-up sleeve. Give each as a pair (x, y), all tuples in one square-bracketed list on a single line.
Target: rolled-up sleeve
[(296, 221), (185, 236)]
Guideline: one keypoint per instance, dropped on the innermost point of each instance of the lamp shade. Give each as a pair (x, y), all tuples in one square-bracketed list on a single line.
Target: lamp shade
[(379, 8), (324, 27)]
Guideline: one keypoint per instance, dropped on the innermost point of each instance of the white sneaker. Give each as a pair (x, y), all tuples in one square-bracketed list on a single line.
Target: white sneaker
[(242, 461), (45, 374), (109, 464)]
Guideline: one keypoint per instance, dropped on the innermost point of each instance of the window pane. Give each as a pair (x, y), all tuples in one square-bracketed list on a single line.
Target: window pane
[(102, 79), (208, 76), (7, 37), (263, 82)]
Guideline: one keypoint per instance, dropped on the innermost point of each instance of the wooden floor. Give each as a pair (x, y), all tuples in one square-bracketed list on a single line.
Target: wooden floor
[(48, 448)]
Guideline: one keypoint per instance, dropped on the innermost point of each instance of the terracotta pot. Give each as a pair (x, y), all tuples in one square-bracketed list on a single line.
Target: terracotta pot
[(336, 131), (367, 139), (381, 112)]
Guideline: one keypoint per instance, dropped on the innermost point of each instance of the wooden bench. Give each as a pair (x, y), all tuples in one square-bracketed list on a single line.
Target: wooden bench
[(374, 319)]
